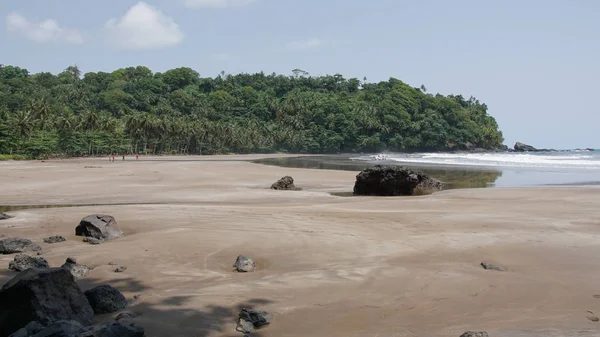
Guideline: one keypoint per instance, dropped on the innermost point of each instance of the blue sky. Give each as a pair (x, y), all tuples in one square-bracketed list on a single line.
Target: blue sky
[(535, 63)]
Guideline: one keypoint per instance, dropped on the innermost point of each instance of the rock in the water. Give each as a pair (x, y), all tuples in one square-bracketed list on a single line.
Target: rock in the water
[(54, 239), (521, 147), (475, 334), (23, 261), (114, 329), (4, 216), (393, 181), (17, 245), (105, 299), (490, 266), (99, 226), (125, 315), (120, 269), (249, 319), (244, 264), (92, 241), (77, 270), (285, 183), (42, 295)]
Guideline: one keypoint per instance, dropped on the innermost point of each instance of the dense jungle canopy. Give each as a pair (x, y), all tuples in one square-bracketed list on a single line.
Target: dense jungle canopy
[(134, 110)]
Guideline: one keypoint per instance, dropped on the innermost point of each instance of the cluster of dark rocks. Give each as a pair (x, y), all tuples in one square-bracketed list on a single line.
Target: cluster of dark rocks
[(42, 301), (48, 302)]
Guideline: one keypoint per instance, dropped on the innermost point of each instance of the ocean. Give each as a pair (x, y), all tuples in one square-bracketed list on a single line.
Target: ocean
[(472, 170), (569, 167)]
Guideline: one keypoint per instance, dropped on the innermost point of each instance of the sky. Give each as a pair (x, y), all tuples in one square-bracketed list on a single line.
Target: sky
[(535, 63)]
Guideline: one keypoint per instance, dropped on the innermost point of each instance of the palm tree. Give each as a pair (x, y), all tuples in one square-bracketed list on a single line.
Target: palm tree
[(24, 123)]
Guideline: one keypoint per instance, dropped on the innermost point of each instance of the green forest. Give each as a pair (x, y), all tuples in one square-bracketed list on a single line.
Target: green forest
[(135, 110)]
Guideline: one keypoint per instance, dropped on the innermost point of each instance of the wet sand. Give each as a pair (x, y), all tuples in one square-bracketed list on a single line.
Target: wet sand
[(327, 265)]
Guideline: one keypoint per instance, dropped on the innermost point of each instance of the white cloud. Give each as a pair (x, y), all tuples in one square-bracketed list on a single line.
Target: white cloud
[(305, 44), (216, 3), (143, 27), (42, 31)]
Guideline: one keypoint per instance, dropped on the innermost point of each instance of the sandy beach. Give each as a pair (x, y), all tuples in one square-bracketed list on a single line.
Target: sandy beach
[(327, 265)]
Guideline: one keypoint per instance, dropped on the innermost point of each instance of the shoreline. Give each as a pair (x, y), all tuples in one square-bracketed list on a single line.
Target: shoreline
[(455, 176)]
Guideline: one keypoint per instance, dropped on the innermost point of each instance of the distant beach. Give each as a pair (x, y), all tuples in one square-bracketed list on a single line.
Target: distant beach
[(471, 170)]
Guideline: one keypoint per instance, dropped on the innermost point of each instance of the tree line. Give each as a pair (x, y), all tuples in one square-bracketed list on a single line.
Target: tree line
[(133, 110)]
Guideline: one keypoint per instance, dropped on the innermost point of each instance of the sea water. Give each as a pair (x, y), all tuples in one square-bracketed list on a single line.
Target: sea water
[(569, 167)]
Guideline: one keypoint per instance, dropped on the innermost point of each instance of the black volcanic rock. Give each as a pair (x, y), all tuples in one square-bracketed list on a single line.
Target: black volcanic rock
[(44, 296), (99, 226), (393, 181)]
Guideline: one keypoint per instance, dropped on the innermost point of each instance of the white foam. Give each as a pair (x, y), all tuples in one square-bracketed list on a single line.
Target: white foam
[(541, 160)]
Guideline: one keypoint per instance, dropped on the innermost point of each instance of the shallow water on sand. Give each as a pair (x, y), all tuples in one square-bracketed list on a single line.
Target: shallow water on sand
[(454, 175)]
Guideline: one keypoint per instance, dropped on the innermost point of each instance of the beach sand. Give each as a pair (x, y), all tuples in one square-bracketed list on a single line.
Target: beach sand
[(327, 265)]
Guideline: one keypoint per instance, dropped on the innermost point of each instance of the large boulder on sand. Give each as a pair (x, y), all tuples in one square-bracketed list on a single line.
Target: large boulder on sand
[(17, 245), (285, 183), (23, 262), (393, 181), (42, 295), (99, 226), (4, 216), (105, 299)]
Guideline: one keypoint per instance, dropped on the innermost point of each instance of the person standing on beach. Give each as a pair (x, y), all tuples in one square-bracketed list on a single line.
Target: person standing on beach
[(123, 157)]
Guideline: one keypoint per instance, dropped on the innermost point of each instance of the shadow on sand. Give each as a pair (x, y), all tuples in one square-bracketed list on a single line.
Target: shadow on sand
[(169, 316)]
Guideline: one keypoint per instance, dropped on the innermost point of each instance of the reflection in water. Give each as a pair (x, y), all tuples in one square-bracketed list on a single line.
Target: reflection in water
[(453, 177)]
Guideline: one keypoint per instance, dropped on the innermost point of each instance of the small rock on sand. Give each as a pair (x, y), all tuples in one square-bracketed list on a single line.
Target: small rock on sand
[(23, 261), (77, 270), (593, 318), (244, 264), (475, 334), (18, 245), (490, 266), (120, 269), (105, 299), (249, 319), (285, 183), (54, 239)]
